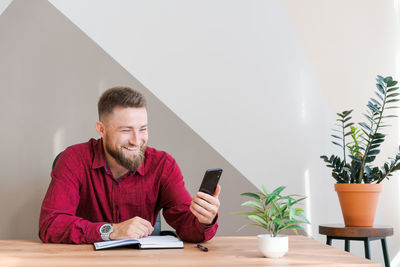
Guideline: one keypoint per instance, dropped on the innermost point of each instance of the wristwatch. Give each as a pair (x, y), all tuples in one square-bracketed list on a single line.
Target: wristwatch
[(105, 231)]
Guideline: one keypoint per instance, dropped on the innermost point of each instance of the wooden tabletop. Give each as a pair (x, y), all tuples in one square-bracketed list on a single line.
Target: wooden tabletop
[(223, 251), (346, 231)]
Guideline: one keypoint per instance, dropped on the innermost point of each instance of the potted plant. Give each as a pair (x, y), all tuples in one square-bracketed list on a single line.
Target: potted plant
[(357, 179), (275, 213)]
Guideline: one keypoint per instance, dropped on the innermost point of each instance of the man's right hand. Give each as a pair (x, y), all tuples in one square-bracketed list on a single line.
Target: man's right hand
[(133, 228)]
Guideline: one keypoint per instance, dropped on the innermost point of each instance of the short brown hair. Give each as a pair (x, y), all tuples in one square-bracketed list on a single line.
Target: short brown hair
[(119, 96)]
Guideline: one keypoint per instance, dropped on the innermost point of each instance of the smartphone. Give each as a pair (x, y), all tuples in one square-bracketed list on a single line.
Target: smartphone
[(210, 181)]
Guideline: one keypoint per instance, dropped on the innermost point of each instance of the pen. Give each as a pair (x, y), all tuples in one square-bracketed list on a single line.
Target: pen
[(203, 248)]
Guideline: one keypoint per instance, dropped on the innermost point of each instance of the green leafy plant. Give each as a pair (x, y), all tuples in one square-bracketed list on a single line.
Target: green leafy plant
[(273, 211), (365, 142), (354, 145)]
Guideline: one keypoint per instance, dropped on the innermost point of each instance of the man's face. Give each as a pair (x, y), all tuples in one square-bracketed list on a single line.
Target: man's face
[(125, 136)]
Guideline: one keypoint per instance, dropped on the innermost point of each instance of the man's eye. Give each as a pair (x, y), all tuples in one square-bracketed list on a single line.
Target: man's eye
[(143, 130), (126, 131)]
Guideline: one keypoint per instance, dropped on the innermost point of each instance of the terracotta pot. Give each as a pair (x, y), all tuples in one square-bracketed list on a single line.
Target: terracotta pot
[(358, 203)]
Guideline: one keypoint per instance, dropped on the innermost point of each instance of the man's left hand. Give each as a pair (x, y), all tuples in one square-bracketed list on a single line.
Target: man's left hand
[(205, 207)]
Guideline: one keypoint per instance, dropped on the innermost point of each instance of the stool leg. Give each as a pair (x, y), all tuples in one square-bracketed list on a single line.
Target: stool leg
[(329, 240), (347, 245), (385, 252), (366, 248)]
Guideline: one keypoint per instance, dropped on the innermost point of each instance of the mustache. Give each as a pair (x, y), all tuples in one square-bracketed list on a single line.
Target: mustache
[(132, 145)]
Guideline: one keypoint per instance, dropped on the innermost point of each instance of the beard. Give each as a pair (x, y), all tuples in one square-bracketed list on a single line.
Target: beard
[(131, 162)]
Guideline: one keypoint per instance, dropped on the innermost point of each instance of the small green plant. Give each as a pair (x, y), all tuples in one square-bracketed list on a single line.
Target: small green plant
[(366, 141), (353, 146), (273, 211)]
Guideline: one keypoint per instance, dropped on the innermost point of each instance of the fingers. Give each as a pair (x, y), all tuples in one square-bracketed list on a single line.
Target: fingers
[(202, 219), (140, 230), (206, 215), (210, 199), (144, 225), (133, 228), (205, 207)]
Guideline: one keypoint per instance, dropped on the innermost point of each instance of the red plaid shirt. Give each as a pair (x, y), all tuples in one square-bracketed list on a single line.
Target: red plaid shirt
[(83, 195)]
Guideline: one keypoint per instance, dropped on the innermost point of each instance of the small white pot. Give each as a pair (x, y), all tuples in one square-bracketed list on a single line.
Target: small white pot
[(273, 247)]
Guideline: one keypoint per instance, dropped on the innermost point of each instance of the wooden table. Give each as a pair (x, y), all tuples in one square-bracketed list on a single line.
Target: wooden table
[(223, 251), (366, 234)]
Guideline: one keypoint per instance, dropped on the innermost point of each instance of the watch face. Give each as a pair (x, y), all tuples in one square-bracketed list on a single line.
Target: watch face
[(105, 228)]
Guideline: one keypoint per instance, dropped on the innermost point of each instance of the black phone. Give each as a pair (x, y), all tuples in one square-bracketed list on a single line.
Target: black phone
[(210, 181)]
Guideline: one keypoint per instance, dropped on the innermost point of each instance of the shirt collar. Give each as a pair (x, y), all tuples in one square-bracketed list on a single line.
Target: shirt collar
[(141, 168), (99, 159)]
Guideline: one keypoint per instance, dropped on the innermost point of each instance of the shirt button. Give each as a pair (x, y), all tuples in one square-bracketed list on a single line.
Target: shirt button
[(116, 183), (116, 207)]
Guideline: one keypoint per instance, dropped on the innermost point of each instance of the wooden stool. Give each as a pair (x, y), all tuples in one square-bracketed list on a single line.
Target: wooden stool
[(366, 234)]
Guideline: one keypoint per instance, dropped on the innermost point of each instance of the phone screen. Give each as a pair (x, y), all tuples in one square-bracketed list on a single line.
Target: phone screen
[(210, 181)]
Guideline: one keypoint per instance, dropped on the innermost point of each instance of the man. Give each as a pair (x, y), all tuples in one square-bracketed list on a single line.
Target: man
[(114, 187)]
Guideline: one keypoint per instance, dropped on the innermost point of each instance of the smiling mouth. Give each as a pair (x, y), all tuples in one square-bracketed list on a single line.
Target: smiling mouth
[(134, 148)]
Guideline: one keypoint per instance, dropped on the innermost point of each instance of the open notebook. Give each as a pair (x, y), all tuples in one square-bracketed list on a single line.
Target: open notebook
[(166, 241)]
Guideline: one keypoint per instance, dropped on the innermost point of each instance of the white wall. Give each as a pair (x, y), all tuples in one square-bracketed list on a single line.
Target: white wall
[(4, 4), (347, 43)]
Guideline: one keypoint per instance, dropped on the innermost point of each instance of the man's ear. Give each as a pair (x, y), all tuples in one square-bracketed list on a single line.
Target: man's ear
[(100, 128)]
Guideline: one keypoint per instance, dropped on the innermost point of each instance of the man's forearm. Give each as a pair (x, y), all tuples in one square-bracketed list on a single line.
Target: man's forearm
[(62, 228)]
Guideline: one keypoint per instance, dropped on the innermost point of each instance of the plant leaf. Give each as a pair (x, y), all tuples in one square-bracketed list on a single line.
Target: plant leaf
[(380, 88), (298, 200), (279, 190), (337, 144), (364, 125), (251, 195), (392, 95), (378, 141), (243, 226), (254, 212), (370, 159), (388, 79), (379, 95), (252, 204), (375, 101), (392, 89), (257, 219), (348, 118), (373, 152), (278, 221), (303, 217), (373, 108), (264, 190)]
